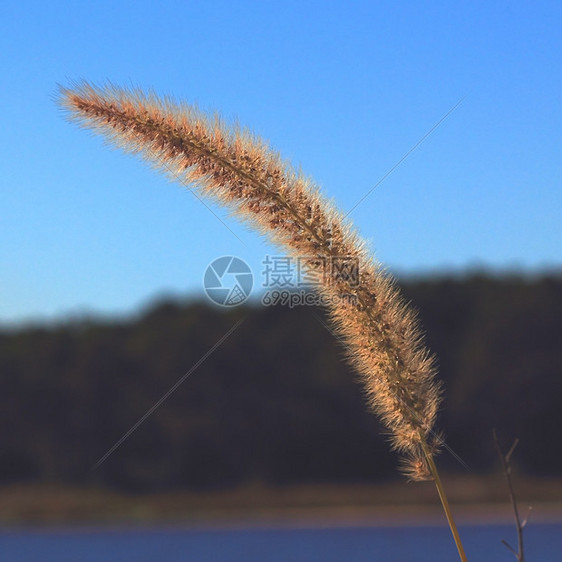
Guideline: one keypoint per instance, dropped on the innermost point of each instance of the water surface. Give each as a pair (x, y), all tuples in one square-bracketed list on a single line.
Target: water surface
[(346, 544)]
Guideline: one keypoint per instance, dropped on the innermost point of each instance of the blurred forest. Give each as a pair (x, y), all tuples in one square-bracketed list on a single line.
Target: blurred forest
[(276, 402)]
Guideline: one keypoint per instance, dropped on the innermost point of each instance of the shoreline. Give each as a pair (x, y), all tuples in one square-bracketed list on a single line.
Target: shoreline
[(257, 506), (298, 518)]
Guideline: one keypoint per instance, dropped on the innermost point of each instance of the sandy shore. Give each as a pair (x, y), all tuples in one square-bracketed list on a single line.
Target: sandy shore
[(474, 501)]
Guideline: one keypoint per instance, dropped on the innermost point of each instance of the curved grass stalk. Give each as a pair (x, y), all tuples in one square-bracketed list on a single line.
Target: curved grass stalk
[(379, 328), (444, 502)]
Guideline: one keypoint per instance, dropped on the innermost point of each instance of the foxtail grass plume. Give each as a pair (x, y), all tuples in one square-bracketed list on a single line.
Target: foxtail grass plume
[(380, 331)]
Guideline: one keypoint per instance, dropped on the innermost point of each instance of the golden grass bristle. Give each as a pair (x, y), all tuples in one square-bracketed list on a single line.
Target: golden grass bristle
[(380, 331)]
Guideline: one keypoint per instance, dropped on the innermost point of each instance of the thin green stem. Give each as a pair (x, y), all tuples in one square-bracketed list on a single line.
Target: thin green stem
[(443, 498)]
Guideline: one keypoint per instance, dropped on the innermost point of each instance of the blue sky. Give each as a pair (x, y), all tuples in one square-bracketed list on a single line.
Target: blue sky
[(342, 89)]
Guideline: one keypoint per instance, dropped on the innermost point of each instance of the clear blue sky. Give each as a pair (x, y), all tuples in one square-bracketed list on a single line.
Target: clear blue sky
[(342, 89)]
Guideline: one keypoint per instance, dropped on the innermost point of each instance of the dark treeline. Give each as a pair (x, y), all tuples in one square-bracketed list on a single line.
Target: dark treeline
[(275, 403)]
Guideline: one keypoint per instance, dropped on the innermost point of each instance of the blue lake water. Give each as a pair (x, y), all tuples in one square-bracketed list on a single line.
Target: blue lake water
[(418, 544)]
